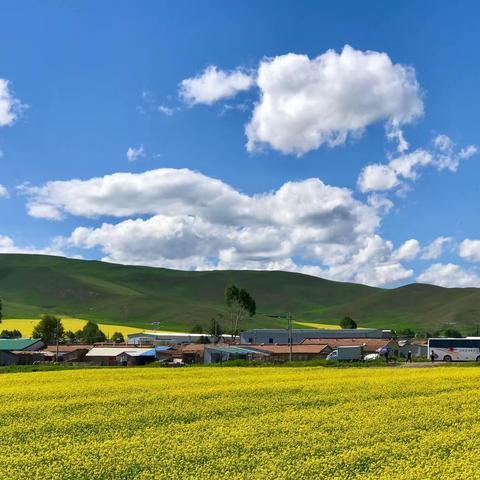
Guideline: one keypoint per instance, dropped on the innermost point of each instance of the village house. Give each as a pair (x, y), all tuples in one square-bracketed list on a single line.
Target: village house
[(369, 345), (300, 353), (20, 351)]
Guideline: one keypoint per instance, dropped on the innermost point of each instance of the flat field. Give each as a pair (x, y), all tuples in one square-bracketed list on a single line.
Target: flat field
[(26, 326), (241, 423)]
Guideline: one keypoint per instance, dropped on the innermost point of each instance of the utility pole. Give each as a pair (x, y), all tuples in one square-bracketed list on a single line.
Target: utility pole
[(290, 339), (58, 327)]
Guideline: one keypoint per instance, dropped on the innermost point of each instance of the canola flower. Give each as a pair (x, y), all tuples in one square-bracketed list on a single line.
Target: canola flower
[(26, 326), (240, 423)]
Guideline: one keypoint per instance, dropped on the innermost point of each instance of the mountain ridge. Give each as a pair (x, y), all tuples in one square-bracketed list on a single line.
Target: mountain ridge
[(137, 296)]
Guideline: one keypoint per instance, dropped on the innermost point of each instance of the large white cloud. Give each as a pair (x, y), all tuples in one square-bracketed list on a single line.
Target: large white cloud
[(184, 219), (470, 249), (449, 275), (307, 102), (213, 85), (10, 107)]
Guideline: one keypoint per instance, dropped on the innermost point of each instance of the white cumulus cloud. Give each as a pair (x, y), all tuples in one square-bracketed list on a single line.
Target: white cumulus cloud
[(4, 192), (407, 166), (213, 85), (182, 219), (305, 102), (435, 248), (135, 153), (10, 107), (449, 275), (470, 249)]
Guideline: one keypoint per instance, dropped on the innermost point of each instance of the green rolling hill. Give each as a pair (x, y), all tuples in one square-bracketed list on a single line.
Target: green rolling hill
[(136, 296)]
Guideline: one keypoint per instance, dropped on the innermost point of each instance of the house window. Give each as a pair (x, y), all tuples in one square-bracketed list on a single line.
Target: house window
[(270, 340)]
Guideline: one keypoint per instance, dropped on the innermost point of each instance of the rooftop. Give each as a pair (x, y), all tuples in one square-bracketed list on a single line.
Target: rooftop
[(298, 349), (17, 343)]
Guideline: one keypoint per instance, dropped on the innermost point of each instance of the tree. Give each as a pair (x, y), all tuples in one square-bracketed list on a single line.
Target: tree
[(118, 337), (1, 310), (348, 322), (214, 329), (90, 333), (196, 329), (70, 336), (203, 339), (241, 305), (406, 333), (11, 334), (49, 329), (451, 333)]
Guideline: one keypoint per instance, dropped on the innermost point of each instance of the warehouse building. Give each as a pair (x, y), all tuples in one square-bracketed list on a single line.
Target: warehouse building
[(224, 353), (369, 345), (20, 351), (156, 338), (299, 353), (299, 335), (125, 356)]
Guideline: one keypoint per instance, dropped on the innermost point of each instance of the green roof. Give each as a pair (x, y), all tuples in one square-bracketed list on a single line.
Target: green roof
[(17, 343)]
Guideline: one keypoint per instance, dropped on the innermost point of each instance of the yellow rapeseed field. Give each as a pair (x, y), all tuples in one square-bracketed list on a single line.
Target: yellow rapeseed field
[(26, 326), (241, 423)]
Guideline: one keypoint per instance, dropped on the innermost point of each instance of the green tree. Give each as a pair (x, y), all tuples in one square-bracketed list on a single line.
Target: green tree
[(70, 336), (348, 322), (241, 305), (406, 333), (203, 339), (90, 333), (214, 329), (118, 337), (11, 334), (196, 329), (49, 328)]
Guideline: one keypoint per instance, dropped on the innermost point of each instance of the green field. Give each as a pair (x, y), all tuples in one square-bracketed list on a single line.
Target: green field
[(136, 296), (276, 423)]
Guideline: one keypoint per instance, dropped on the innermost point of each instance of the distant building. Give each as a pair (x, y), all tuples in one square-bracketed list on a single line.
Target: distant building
[(67, 353), (419, 348), (113, 356), (300, 353), (153, 338), (224, 353), (369, 345), (20, 351), (280, 335)]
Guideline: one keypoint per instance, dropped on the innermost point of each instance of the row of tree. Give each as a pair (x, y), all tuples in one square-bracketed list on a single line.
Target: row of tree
[(50, 328)]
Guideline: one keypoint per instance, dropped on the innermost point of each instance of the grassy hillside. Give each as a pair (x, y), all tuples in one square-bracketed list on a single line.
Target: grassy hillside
[(136, 296)]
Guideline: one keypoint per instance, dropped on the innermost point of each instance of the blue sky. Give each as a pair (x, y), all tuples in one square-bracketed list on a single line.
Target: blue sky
[(88, 81)]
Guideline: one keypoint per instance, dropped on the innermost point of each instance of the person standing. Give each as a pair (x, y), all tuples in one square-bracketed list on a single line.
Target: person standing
[(432, 356), (409, 357)]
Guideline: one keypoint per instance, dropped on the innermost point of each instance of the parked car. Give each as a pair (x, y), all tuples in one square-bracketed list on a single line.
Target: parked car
[(371, 356)]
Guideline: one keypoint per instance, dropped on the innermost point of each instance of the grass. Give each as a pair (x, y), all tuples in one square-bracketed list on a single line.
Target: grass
[(240, 423), (133, 296)]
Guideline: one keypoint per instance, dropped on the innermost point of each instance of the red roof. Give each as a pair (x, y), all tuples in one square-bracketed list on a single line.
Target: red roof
[(68, 348)]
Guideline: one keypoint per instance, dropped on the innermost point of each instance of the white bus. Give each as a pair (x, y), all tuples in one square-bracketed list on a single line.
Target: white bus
[(455, 349)]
